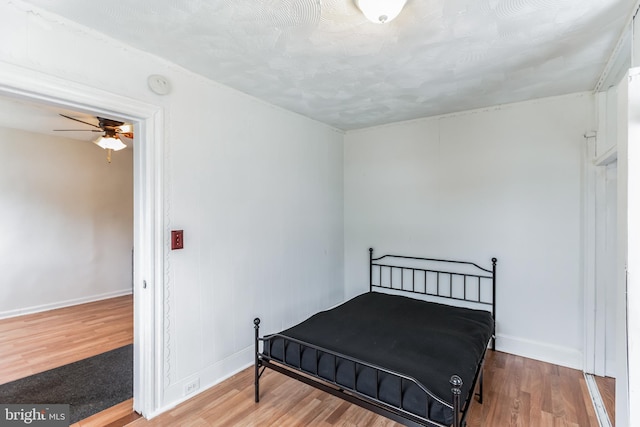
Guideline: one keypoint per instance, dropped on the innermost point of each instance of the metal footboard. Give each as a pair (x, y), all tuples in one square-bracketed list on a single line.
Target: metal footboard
[(351, 393)]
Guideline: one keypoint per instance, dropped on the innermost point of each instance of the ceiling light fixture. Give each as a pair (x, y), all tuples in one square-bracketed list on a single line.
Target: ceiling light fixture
[(110, 141), (380, 11)]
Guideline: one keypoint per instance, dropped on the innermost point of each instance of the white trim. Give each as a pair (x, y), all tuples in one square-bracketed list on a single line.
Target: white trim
[(555, 354), (209, 377), (589, 255), (34, 86), (202, 390), (598, 403), (633, 245), (63, 304), (595, 275), (601, 278), (607, 261)]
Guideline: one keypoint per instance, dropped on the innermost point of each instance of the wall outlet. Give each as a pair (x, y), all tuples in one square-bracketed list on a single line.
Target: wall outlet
[(192, 386)]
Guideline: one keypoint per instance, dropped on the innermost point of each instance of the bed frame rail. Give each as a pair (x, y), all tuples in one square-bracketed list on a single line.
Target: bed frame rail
[(312, 377)]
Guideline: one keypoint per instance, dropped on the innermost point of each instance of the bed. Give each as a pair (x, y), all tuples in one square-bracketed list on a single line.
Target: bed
[(397, 350)]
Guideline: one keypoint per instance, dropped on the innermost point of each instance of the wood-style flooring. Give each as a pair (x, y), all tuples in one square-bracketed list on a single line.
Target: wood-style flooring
[(38, 342), (518, 391), (607, 389)]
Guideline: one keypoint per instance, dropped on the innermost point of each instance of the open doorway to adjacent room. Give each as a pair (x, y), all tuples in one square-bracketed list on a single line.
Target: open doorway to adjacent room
[(148, 207), (68, 238)]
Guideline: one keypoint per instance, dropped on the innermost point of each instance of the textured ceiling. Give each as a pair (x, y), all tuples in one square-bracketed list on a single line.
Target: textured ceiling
[(322, 59)]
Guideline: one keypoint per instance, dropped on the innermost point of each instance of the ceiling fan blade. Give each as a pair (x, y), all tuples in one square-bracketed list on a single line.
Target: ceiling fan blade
[(81, 121), (126, 134), (78, 130), (125, 139)]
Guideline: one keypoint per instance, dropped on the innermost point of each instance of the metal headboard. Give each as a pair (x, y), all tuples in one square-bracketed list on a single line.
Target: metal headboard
[(473, 279)]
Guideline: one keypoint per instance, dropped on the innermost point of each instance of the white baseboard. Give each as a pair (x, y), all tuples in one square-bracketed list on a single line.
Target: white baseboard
[(208, 377), (558, 355), (62, 304)]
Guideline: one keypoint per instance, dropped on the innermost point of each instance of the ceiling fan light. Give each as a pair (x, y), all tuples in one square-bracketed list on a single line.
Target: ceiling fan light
[(380, 11), (110, 143)]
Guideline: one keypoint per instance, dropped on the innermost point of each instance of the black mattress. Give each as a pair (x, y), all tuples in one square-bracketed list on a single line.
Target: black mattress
[(427, 341)]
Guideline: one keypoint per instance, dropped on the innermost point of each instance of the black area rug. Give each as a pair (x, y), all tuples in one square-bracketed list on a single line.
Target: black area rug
[(88, 386)]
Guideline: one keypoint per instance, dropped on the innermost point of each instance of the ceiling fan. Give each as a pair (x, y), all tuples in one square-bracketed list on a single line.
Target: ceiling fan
[(113, 132)]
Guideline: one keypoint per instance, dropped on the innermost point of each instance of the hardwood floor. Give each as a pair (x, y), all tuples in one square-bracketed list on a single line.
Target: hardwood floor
[(116, 416), (518, 391), (37, 342), (607, 389), (525, 392)]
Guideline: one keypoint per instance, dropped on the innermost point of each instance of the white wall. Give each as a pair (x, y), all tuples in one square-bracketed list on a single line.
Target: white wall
[(504, 182), (257, 190), (66, 219), (260, 200)]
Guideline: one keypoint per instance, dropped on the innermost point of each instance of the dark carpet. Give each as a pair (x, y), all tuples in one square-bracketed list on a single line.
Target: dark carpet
[(88, 386)]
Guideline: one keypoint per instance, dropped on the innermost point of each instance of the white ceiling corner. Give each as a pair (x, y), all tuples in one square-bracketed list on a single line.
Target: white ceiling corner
[(323, 59)]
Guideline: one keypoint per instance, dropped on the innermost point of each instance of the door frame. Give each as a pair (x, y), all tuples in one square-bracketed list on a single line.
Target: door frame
[(598, 275), (21, 83), (631, 245)]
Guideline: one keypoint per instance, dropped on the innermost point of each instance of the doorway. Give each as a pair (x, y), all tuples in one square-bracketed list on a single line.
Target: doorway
[(20, 83), (68, 233)]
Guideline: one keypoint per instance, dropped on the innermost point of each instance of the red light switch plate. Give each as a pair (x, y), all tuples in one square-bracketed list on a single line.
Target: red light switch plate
[(176, 239)]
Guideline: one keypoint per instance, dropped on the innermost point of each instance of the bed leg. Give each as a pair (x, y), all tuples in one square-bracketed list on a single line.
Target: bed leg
[(456, 384), (481, 381), (493, 341), (256, 382), (493, 297)]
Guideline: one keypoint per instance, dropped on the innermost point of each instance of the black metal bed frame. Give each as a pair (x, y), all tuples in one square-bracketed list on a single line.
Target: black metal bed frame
[(397, 413)]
